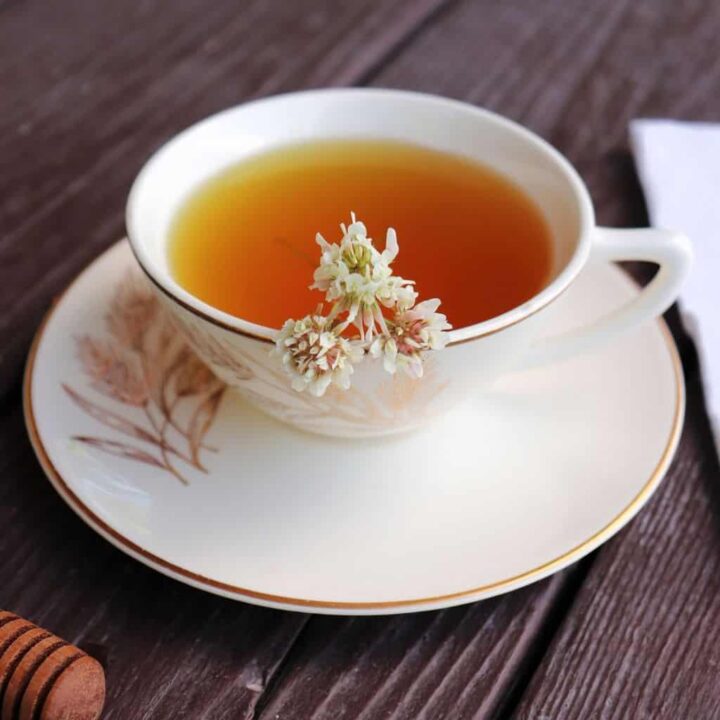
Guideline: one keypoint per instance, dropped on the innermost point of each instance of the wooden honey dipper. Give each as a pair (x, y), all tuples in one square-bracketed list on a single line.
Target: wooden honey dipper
[(45, 678)]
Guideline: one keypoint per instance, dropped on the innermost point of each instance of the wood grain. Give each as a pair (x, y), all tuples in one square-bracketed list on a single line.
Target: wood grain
[(457, 663)]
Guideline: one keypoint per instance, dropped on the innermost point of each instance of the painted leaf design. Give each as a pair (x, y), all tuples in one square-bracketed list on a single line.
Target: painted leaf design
[(121, 450), (144, 362), (110, 419), (132, 310), (158, 365), (193, 378), (201, 421), (113, 369), (164, 397)]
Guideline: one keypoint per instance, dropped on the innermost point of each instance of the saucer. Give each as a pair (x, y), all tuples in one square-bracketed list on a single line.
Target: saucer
[(163, 461)]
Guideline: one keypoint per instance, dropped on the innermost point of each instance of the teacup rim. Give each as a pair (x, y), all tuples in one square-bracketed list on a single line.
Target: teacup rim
[(164, 282)]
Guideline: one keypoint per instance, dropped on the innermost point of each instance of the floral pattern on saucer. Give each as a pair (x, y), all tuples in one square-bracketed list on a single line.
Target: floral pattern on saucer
[(158, 399)]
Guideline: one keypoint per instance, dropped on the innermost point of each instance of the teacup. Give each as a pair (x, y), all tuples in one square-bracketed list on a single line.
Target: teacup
[(238, 351)]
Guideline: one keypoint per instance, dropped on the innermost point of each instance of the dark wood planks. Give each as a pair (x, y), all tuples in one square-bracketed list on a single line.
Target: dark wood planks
[(457, 663), (90, 89)]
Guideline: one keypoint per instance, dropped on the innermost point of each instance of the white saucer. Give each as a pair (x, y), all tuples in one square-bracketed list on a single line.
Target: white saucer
[(508, 488)]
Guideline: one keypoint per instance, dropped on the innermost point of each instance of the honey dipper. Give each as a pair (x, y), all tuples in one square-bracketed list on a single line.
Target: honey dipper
[(45, 678)]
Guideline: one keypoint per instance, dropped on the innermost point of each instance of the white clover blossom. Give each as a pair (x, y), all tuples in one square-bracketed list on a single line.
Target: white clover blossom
[(397, 291), (352, 260), (315, 355), (358, 281), (357, 275), (412, 332)]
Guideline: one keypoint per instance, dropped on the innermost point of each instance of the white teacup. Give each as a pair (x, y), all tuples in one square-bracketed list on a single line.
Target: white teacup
[(377, 404)]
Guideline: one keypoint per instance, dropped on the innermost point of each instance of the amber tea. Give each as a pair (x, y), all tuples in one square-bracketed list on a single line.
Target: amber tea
[(244, 242)]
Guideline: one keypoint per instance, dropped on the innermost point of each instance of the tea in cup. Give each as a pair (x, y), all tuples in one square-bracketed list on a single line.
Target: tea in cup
[(490, 219)]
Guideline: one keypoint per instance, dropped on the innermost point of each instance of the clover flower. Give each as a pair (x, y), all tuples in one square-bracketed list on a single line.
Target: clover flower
[(358, 281), (315, 355), (355, 266), (412, 333), (357, 275)]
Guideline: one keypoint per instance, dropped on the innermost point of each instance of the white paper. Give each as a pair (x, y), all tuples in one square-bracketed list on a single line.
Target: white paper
[(679, 168)]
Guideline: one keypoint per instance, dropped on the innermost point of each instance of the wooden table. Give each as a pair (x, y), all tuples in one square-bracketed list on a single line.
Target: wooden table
[(87, 90)]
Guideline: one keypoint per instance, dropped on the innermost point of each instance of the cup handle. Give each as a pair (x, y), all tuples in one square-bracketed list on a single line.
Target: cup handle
[(670, 250)]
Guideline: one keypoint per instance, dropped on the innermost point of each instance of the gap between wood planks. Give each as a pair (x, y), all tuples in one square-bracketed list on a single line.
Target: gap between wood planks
[(541, 642), (394, 51)]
